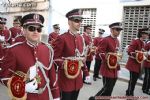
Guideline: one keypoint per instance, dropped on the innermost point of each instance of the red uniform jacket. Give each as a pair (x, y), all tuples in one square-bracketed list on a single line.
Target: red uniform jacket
[(146, 64), (65, 46), (132, 64), (21, 57), (108, 44), (88, 41), (52, 37), (96, 42), (1, 56), (6, 33), (1, 51), (16, 35)]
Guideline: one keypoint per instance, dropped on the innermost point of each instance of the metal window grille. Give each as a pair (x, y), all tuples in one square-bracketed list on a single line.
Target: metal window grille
[(89, 15), (134, 17)]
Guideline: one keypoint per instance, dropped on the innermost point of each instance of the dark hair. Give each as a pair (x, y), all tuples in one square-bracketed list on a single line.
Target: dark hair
[(149, 36), (139, 35), (87, 26), (141, 31)]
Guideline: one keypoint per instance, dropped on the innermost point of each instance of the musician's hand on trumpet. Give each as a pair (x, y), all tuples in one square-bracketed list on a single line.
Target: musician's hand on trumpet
[(93, 49), (147, 53), (119, 55)]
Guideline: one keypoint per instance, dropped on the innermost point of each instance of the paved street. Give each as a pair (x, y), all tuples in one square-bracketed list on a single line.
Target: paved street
[(119, 90), (89, 90)]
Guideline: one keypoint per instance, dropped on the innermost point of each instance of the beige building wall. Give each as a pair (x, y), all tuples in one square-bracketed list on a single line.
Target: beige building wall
[(23, 7)]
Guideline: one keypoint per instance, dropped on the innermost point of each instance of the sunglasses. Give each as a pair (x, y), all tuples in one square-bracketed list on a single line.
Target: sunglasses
[(57, 28), (2, 23), (77, 20), (33, 29), (118, 29), (89, 28)]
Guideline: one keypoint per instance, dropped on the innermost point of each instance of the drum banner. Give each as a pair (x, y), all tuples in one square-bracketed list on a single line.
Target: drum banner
[(16, 87), (112, 60), (72, 68), (139, 56)]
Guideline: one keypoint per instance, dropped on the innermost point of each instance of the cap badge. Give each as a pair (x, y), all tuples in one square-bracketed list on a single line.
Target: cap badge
[(36, 17)]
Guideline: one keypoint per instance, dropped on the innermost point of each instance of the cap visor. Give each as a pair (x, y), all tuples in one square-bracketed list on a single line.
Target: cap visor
[(34, 24)]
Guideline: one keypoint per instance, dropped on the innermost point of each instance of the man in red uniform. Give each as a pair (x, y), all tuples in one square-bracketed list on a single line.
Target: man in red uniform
[(108, 49), (1, 54), (54, 35), (97, 65), (4, 32), (68, 50), (5, 39), (16, 32), (134, 61), (33, 58), (88, 44), (146, 66)]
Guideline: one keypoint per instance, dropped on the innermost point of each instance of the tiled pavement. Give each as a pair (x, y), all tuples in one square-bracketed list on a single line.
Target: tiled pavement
[(89, 90)]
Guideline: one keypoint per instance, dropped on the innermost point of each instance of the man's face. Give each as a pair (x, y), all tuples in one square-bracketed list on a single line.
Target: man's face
[(115, 32), (144, 36), (33, 33), (88, 30), (17, 25), (57, 30), (100, 34), (2, 25), (75, 24)]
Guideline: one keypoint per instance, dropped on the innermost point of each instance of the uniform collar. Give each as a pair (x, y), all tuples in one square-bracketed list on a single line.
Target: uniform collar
[(74, 34), (86, 34), (113, 36), (31, 44)]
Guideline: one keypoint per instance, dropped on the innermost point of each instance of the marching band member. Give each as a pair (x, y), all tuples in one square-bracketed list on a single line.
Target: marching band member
[(88, 43), (5, 37), (136, 56), (4, 32), (16, 32), (146, 66), (97, 65), (54, 35), (108, 49), (1, 55), (68, 49), (28, 66)]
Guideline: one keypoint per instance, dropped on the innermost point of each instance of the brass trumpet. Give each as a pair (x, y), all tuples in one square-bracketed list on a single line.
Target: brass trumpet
[(119, 55)]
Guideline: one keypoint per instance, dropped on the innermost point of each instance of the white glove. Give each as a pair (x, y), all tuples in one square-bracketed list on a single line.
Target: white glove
[(148, 52), (87, 79), (57, 99), (144, 57), (31, 86), (2, 38)]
